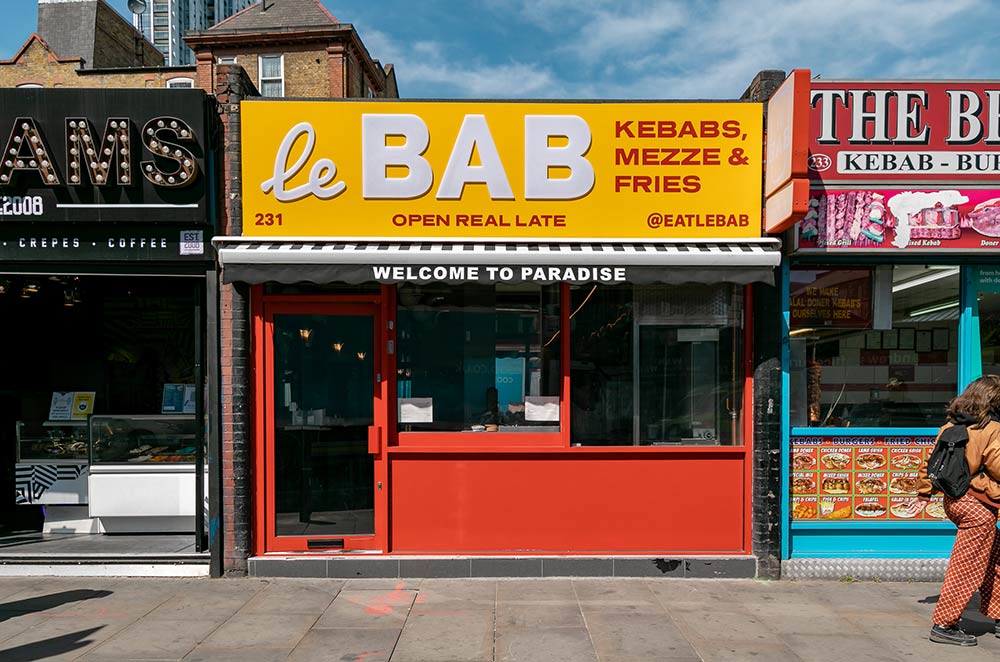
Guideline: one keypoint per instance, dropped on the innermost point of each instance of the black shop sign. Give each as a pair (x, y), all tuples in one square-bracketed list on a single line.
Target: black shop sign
[(132, 156)]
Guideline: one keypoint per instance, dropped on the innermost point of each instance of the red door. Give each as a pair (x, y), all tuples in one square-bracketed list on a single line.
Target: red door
[(324, 416)]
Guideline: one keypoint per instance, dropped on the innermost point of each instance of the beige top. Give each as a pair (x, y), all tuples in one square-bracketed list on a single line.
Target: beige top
[(983, 455)]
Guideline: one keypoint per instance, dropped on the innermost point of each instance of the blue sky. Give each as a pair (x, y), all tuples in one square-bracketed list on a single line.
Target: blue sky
[(654, 50)]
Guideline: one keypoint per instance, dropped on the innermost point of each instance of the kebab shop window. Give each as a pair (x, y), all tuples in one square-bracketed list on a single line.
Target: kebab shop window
[(873, 346), (656, 365), (478, 358)]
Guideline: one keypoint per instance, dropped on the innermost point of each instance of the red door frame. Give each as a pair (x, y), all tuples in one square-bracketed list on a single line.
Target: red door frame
[(264, 308)]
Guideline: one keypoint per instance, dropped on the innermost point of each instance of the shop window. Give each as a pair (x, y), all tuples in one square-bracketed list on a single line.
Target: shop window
[(656, 365), (271, 79), (873, 346), (989, 332), (478, 358)]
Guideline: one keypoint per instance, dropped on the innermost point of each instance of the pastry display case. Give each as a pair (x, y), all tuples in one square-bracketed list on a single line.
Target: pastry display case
[(152, 440), (51, 441), (142, 472), (51, 464)]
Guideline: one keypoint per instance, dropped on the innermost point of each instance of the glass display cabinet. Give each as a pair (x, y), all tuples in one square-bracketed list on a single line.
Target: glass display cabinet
[(142, 472), (152, 440), (52, 463)]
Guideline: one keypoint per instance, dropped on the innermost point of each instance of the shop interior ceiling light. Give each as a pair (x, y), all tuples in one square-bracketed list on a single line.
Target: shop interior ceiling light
[(4, 286), (933, 309), (937, 274), (337, 346)]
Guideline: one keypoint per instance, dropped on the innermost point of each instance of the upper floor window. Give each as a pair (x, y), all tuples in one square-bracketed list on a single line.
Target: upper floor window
[(29, 85), (271, 77), (227, 59), (180, 82)]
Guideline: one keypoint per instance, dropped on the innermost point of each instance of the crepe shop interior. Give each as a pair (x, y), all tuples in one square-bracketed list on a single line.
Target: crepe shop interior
[(875, 352), (432, 417), (98, 420)]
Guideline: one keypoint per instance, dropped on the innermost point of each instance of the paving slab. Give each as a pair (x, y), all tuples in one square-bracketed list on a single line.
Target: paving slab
[(450, 595), (545, 645), (368, 609), (205, 653), (293, 597), (617, 595), (735, 650), (365, 645), (446, 637), (154, 639), (539, 614), (46, 645), (249, 631), (635, 636)]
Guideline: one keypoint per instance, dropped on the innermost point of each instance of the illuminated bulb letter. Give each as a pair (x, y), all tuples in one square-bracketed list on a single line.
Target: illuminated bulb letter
[(162, 136), (26, 150), (474, 135), (378, 157), (110, 153), (539, 157)]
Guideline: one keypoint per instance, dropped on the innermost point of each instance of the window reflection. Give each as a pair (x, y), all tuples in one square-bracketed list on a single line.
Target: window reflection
[(656, 365), (478, 358), (873, 346)]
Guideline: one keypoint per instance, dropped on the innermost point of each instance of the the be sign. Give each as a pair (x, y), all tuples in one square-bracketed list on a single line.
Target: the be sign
[(552, 143)]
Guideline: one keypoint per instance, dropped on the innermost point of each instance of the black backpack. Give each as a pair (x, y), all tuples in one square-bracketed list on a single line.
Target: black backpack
[(947, 468)]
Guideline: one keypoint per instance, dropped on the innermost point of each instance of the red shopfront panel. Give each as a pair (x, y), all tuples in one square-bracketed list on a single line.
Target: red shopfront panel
[(568, 502)]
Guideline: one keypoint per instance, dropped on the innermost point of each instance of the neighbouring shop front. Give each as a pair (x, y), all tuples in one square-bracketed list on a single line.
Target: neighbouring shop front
[(891, 301), (105, 276), (501, 329)]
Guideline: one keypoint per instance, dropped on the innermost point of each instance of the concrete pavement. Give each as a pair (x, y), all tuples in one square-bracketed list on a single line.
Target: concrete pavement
[(438, 620)]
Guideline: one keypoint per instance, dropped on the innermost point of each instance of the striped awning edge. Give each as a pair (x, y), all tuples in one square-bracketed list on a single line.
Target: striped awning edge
[(291, 260)]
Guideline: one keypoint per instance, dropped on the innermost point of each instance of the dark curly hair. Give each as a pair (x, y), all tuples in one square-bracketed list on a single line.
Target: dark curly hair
[(980, 400)]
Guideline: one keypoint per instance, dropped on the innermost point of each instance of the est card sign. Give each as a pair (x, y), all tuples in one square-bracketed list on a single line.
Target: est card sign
[(502, 170)]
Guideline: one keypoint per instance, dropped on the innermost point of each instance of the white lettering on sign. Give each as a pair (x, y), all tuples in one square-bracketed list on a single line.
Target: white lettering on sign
[(378, 157), (539, 156), (494, 274), (411, 137), (322, 173), (474, 135)]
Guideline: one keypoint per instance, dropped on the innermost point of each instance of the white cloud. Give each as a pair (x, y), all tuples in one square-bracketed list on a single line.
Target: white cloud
[(427, 69), (672, 49)]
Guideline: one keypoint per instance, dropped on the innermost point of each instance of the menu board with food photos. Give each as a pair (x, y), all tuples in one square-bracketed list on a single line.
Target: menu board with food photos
[(860, 478)]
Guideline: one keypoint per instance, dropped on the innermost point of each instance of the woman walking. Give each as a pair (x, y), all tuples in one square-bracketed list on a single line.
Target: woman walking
[(975, 558)]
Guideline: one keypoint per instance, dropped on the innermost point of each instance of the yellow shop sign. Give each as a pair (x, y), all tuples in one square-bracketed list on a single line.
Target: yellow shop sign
[(501, 171)]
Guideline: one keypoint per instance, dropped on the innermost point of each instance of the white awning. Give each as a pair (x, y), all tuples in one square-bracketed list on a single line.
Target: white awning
[(255, 260)]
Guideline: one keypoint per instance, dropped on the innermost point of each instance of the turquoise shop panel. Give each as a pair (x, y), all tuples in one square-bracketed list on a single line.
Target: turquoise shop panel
[(931, 542)]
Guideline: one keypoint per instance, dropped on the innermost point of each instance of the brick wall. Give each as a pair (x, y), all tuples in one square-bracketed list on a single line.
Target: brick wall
[(39, 66), (118, 44), (305, 70), (231, 84), (767, 404)]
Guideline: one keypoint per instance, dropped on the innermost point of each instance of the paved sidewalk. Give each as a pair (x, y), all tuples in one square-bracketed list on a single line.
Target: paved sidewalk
[(435, 620)]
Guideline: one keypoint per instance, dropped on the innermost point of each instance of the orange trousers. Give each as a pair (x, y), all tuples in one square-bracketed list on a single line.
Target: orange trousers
[(975, 561)]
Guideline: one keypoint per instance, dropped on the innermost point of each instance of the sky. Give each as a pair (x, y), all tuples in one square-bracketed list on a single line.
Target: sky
[(628, 49)]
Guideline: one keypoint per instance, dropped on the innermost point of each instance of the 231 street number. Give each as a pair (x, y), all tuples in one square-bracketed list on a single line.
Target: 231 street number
[(267, 219)]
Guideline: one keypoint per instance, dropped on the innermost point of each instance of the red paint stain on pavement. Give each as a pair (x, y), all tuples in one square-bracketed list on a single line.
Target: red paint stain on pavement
[(383, 604)]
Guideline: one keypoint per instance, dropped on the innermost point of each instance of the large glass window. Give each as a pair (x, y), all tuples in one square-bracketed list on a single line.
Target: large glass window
[(989, 332), (478, 358), (656, 365), (873, 346)]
